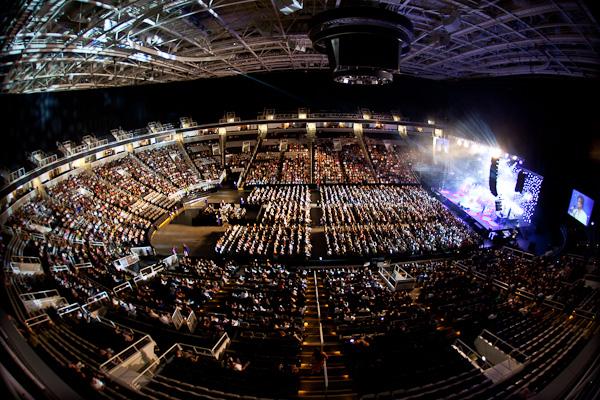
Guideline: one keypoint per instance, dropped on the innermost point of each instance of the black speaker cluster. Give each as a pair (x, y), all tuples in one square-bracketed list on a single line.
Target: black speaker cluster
[(520, 181), (363, 42), (494, 176)]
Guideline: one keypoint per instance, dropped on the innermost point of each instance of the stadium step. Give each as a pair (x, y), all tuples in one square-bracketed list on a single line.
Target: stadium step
[(313, 384)]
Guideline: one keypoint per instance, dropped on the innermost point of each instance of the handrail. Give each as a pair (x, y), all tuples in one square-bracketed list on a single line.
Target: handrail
[(59, 268), (523, 253), (25, 259), (495, 339), (220, 342), (585, 314), (325, 374), (69, 308), (128, 350), (42, 294), (106, 321), (177, 346), (135, 382), (93, 300), (38, 319), (461, 346), (122, 286)]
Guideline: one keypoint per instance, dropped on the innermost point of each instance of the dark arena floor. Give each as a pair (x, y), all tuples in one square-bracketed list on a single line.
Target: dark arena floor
[(300, 200)]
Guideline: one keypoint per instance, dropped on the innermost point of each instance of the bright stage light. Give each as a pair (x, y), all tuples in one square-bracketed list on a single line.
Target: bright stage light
[(514, 158), (496, 152)]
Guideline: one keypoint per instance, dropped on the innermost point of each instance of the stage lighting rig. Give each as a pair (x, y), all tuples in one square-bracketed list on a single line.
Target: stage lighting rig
[(363, 41)]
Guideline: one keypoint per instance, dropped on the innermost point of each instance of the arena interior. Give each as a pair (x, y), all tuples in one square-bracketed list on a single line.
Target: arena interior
[(345, 233)]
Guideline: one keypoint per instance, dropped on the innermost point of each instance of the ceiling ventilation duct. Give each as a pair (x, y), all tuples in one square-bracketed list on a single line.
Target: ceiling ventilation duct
[(363, 41)]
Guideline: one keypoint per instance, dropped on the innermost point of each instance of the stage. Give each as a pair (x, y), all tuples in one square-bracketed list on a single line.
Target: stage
[(481, 210)]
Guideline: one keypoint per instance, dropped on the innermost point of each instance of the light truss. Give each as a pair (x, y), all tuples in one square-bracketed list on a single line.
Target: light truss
[(75, 44)]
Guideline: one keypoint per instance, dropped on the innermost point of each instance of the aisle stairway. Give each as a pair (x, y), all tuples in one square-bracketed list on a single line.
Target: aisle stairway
[(313, 386), (249, 165)]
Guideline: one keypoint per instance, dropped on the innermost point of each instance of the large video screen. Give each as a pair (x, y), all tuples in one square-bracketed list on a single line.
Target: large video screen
[(580, 207)]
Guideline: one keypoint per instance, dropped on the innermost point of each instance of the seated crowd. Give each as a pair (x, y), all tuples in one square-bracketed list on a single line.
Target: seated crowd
[(225, 213), (124, 174), (143, 174), (266, 240), (328, 167), (261, 307), (237, 159), (265, 168), (546, 278), (279, 195), (296, 165), (284, 228), (271, 298), (355, 164), (82, 214), (207, 163), (392, 163), (170, 162), (371, 220), (408, 332), (189, 290), (360, 302)]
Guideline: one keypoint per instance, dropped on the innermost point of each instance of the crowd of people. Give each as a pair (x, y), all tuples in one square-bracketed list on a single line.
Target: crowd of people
[(142, 173), (328, 167), (385, 220), (393, 163), (279, 195), (355, 164), (85, 214), (207, 163), (284, 227), (266, 240), (346, 164), (225, 213), (545, 278), (270, 297), (285, 205), (296, 165), (360, 301), (237, 160), (265, 168), (407, 332), (157, 299), (170, 162), (124, 174), (91, 219)]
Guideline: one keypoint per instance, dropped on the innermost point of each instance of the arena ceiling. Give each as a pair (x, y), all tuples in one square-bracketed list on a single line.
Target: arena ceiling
[(79, 44)]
